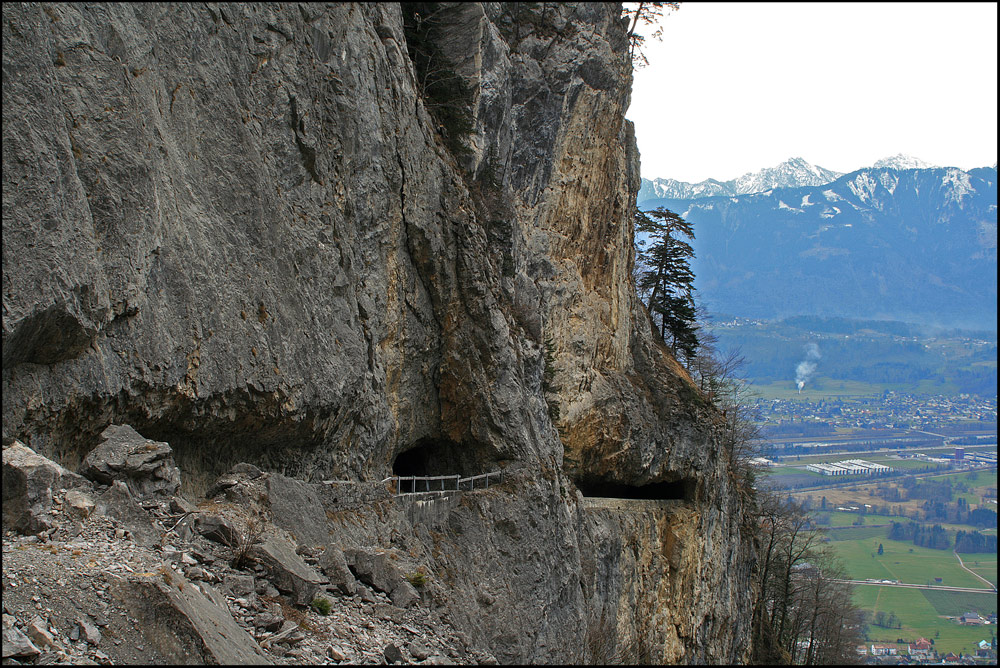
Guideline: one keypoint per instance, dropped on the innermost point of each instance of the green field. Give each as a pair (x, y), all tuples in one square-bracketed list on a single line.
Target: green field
[(793, 470), (854, 534), (983, 565), (820, 388), (901, 561), (903, 464), (922, 613), (839, 518), (823, 387), (953, 604), (983, 478)]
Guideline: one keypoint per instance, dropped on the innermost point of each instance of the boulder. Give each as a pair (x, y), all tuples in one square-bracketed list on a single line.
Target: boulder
[(334, 566), (218, 529), (404, 594), (418, 650), (37, 630), (146, 466), (16, 644), (235, 483), (186, 623), (296, 508), (288, 571), (180, 505), (392, 654), (29, 483), (375, 569), (268, 621), (88, 631), (117, 502), (239, 585), (79, 503)]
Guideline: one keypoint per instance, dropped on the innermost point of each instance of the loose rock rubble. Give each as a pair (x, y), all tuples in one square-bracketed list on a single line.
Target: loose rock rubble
[(116, 577)]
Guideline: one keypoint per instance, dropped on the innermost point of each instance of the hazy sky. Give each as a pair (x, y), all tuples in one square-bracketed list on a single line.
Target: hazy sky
[(735, 87)]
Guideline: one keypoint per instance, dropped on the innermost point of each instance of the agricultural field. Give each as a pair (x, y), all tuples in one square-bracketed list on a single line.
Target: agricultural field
[(865, 492), (983, 565), (902, 561), (839, 518), (794, 470), (790, 470), (822, 388), (922, 613), (789, 476), (848, 534), (925, 614)]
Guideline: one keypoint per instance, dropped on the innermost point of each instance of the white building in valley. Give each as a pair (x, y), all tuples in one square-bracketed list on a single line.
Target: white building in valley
[(850, 467)]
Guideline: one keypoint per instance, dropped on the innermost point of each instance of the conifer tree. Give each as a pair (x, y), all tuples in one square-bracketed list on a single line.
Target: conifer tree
[(667, 278)]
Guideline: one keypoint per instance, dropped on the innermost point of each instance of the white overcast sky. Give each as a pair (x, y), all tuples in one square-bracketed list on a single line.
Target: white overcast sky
[(736, 87)]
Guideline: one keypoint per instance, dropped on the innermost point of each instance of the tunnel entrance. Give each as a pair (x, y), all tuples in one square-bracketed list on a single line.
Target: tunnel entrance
[(440, 456), (683, 489), (413, 462)]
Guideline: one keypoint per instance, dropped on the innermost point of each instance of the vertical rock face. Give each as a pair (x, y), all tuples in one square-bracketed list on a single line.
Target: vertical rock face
[(239, 229)]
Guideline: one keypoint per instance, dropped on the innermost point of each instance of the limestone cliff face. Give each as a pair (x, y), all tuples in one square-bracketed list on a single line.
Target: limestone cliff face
[(238, 229)]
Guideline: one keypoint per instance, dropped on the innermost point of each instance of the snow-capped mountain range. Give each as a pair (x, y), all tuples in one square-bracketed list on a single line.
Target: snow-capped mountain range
[(792, 173), (901, 161), (883, 242)]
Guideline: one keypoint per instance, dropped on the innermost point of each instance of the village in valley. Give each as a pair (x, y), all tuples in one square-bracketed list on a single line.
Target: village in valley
[(881, 413), (903, 488)]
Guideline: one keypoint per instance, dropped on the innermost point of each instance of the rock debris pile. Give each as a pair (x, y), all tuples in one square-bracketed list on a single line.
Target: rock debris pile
[(113, 567)]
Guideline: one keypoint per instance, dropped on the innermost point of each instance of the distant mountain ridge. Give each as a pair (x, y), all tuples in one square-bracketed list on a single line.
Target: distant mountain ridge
[(901, 161), (916, 245), (791, 173)]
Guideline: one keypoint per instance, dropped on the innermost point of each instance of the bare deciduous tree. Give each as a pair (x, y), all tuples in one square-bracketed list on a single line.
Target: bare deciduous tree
[(645, 13)]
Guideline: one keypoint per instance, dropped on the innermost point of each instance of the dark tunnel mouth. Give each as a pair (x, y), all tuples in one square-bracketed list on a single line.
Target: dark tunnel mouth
[(439, 456), (682, 489)]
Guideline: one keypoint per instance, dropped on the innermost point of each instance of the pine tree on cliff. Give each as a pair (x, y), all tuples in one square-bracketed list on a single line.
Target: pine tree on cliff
[(667, 277)]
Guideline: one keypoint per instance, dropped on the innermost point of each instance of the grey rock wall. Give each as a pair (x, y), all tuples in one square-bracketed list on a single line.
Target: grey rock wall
[(237, 228)]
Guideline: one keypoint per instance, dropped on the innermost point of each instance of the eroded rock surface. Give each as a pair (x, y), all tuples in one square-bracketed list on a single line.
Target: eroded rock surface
[(29, 484), (146, 466), (242, 230), (88, 591)]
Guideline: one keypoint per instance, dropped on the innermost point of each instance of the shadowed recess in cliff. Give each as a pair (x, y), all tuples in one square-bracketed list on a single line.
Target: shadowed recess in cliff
[(683, 489), (48, 336), (442, 456), (207, 435)]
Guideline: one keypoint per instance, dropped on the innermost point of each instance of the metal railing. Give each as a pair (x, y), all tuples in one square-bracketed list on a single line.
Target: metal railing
[(442, 483)]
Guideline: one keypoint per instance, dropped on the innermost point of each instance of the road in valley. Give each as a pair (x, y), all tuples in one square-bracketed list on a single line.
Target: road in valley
[(879, 583), (973, 572)]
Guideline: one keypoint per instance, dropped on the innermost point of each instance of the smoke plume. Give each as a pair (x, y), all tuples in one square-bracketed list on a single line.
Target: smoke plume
[(805, 369)]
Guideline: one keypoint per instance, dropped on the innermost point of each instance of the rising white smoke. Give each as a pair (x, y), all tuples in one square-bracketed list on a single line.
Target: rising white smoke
[(806, 367)]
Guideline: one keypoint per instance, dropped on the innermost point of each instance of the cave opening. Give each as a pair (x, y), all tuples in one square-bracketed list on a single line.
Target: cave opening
[(683, 489), (440, 457)]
